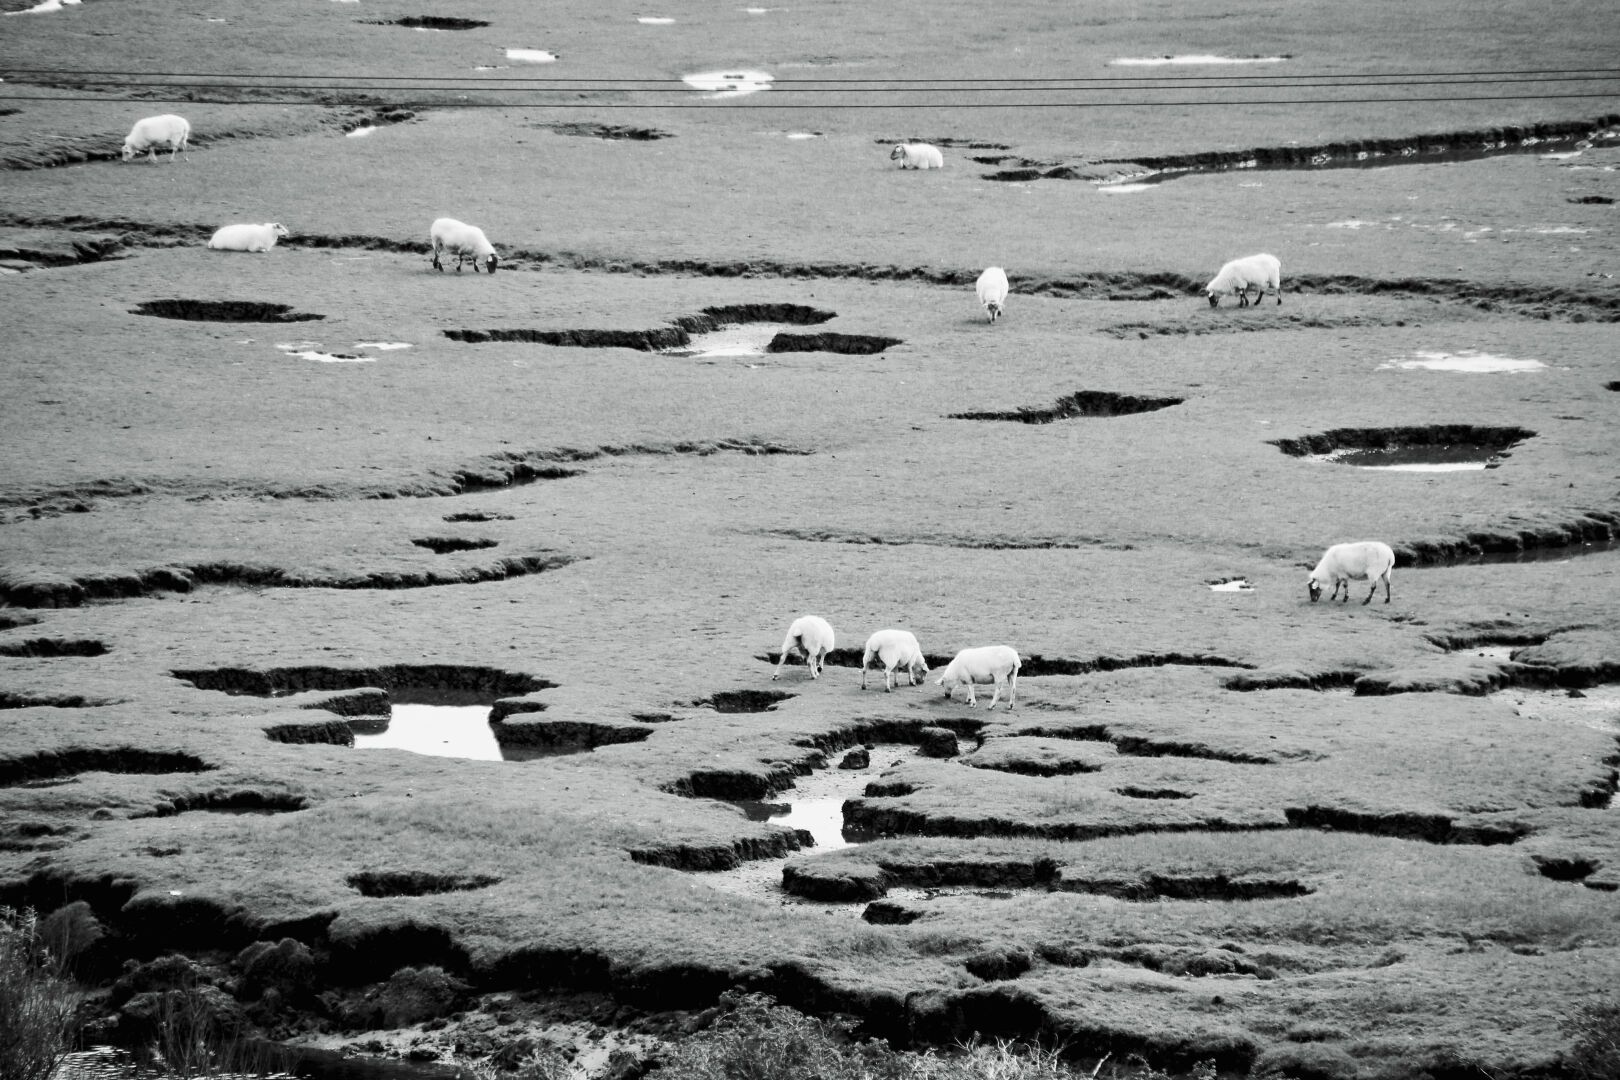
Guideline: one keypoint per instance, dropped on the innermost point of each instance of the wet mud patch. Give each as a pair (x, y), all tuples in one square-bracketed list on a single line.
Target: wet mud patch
[(1440, 447), (378, 883), (429, 22), (60, 764), (222, 311), (524, 738), (662, 339), (1081, 403), (743, 701), (9, 700), (1274, 679), (842, 344), (445, 545), (1153, 793), (606, 131), (49, 647), (486, 515), (397, 679), (230, 802)]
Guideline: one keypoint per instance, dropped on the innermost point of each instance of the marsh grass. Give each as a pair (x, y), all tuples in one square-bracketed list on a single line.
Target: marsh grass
[(38, 1003)]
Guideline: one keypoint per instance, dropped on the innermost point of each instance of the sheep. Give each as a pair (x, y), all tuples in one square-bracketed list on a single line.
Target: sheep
[(464, 242), (989, 663), (247, 237), (895, 649), (1365, 560), (918, 155), (155, 131), (992, 288), (1239, 275), (812, 635)]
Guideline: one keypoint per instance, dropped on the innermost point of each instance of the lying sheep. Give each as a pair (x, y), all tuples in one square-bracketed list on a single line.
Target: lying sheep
[(1239, 275), (247, 237), (1365, 560), (813, 636), (917, 155), (464, 242), (896, 649), (155, 131), (989, 663), (992, 288)]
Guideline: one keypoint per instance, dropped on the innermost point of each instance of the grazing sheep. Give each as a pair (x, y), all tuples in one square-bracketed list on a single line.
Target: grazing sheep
[(155, 131), (464, 242), (812, 635), (918, 155), (1365, 560), (1239, 275), (895, 649), (992, 288), (989, 663), (247, 237)]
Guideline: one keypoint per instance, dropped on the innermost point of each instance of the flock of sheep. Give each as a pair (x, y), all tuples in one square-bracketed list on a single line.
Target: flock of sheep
[(1369, 560), (812, 636)]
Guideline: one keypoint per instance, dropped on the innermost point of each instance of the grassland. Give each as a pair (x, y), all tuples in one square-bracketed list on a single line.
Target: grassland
[(1293, 839)]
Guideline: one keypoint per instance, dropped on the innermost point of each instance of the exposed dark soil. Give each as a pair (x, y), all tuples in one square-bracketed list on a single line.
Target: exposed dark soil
[(276, 682), (1079, 403), (248, 311), (607, 131), (444, 545), (429, 22), (52, 765), (846, 344), (1493, 440), (417, 882), (53, 647)]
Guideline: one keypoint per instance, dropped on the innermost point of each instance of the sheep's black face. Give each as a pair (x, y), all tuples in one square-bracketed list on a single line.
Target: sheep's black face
[(1314, 587), (490, 262), (1214, 301)]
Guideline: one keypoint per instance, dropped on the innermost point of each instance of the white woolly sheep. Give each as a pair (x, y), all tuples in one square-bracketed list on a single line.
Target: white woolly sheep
[(989, 663), (1239, 275), (1364, 560), (247, 237), (464, 242), (811, 635), (894, 649), (917, 155), (156, 131), (992, 289)]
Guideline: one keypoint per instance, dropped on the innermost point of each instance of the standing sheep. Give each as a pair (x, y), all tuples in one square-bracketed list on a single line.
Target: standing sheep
[(155, 131), (989, 663), (919, 155), (464, 242), (1239, 275), (895, 649), (247, 237), (1364, 560), (812, 635), (992, 289)]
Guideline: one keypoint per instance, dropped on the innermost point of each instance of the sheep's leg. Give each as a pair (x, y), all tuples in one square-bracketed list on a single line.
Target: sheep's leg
[(865, 660), (1012, 687), (973, 699), (813, 660), (888, 679), (1386, 587), (1371, 593), (787, 647)]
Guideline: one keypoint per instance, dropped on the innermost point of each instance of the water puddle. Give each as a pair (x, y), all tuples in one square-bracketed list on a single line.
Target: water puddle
[(814, 803), (655, 20), (1597, 707), (310, 350), (458, 730), (1467, 360), (382, 346), (1235, 585), (44, 9), (1560, 553), (804, 135), (729, 83), (1124, 187), (1161, 61), (360, 132), (737, 339), (530, 56), (1431, 459)]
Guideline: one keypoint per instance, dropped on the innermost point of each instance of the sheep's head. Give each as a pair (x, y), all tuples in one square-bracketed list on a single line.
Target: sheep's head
[(279, 230), (994, 309), (490, 262), (898, 152), (1214, 297), (1314, 587), (129, 150)]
